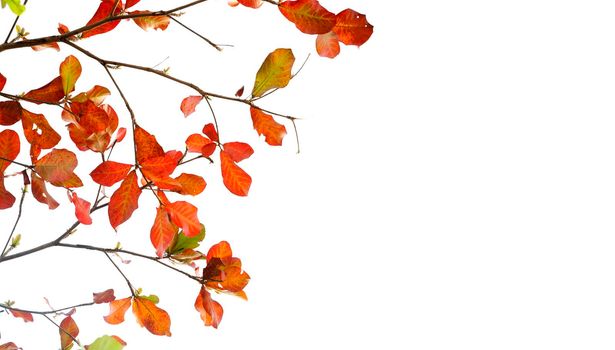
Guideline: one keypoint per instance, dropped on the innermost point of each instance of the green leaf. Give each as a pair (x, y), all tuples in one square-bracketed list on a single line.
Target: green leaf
[(275, 72), (153, 298), (15, 6), (106, 342), (181, 242)]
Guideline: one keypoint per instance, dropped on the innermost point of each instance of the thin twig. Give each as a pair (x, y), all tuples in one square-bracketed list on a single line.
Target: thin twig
[(6, 245), (8, 36), (132, 290), (55, 311), (16, 162), (62, 329), (215, 46)]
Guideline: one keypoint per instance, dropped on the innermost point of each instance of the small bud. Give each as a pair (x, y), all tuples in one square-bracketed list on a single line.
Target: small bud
[(16, 240)]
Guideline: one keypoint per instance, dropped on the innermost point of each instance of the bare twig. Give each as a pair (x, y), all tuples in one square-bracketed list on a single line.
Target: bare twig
[(132, 289), (6, 245), (214, 45)]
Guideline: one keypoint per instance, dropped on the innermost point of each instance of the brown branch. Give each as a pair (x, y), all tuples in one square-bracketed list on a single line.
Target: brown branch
[(55, 311)]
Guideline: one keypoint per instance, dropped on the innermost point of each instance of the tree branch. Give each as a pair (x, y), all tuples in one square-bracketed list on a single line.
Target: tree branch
[(132, 289), (55, 311), (6, 245), (215, 46)]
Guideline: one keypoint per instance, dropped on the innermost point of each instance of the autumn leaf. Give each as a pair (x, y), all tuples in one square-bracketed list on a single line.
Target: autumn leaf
[(182, 242), (106, 296), (6, 198), (188, 105), (264, 124), (184, 215), (10, 112), (308, 16), (235, 179), (200, 144), (96, 94), (220, 250), (191, 184), (275, 72), (109, 172), (210, 130), (9, 346), (68, 331), (146, 144), (62, 28), (352, 28), (82, 209), (238, 151), (117, 311), (9, 148), (2, 81), (37, 130), (52, 92), (251, 3), (57, 167), (131, 3), (162, 232), (51, 45), (124, 201), (160, 167), (327, 45), (25, 316), (210, 310), (104, 10), (153, 318), (70, 70), (107, 342), (39, 191), (151, 22)]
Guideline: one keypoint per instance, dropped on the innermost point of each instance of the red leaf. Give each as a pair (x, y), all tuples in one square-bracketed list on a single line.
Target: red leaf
[(211, 132), (104, 297), (52, 45), (121, 133), (104, 10), (62, 29), (235, 179), (200, 144), (25, 316), (151, 22), (239, 92), (308, 16), (251, 3), (68, 330), (53, 92), (162, 232), (70, 70), (124, 201), (6, 198), (131, 3), (82, 209), (160, 167), (264, 124), (184, 215), (153, 318), (238, 151), (96, 94), (39, 191), (9, 148), (189, 104), (117, 310), (191, 184), (327, 45), (221, 250), (10, 112), (2, 81), (109, 172), (57, 168), (210, 310), (9, 346), (147, 146), (37, 130), (352, 27)]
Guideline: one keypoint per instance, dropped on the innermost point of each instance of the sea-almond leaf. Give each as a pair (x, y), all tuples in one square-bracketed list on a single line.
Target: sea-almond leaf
[(238, 150), (146, 144), (117, 311), (251, 3), (70, 70), (109, 172), (264, 124), (210, 310), (68, 332), (124, 201), (236, 180), (24, 315), (104, 10), (162, 232), (150, 316), (151, 22), (185, 215), (10, 112), (52, 92), (39, 191), (308, 16), (9, 148), (327, 45), (188, 105), (37, 130), (106, 296), (275, 72), (352, 27), (82, 209), (57, 167), (6, 198)]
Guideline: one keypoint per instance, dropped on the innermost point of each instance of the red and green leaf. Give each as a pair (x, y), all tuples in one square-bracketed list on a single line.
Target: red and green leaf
[(275, 72), (264, 124), (70, 70), (37, 130), (124, 201)]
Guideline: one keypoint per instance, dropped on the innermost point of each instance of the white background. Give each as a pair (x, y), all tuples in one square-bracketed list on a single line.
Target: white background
[(455, 188)]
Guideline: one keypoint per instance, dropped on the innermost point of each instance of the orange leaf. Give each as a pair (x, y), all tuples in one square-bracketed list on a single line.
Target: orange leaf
[(352, 27), (308, 16), (264, 124), (52, 45), (62, 29), (117, 310), (9, 346), (210, 310), (162, 232), (147, 146), (124, 201), (97, 94), (6, 198), (68, 330), (9, 148), (39, 191), (37, 130), (189, 104), (53, 92), (234, 281), (238, 151), (104, 297), (275, 72), (104, 10), (153, 318), (327, 45), (82, 209), (160, 167), (191, 184), (57, 168), (151, 22), (25, 316), (221, 250), (10, 112), (184, 215), (235, 179), (251, 3), (200, 144), (70, 70), (131, 3), (109, 172), (210, 131)]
